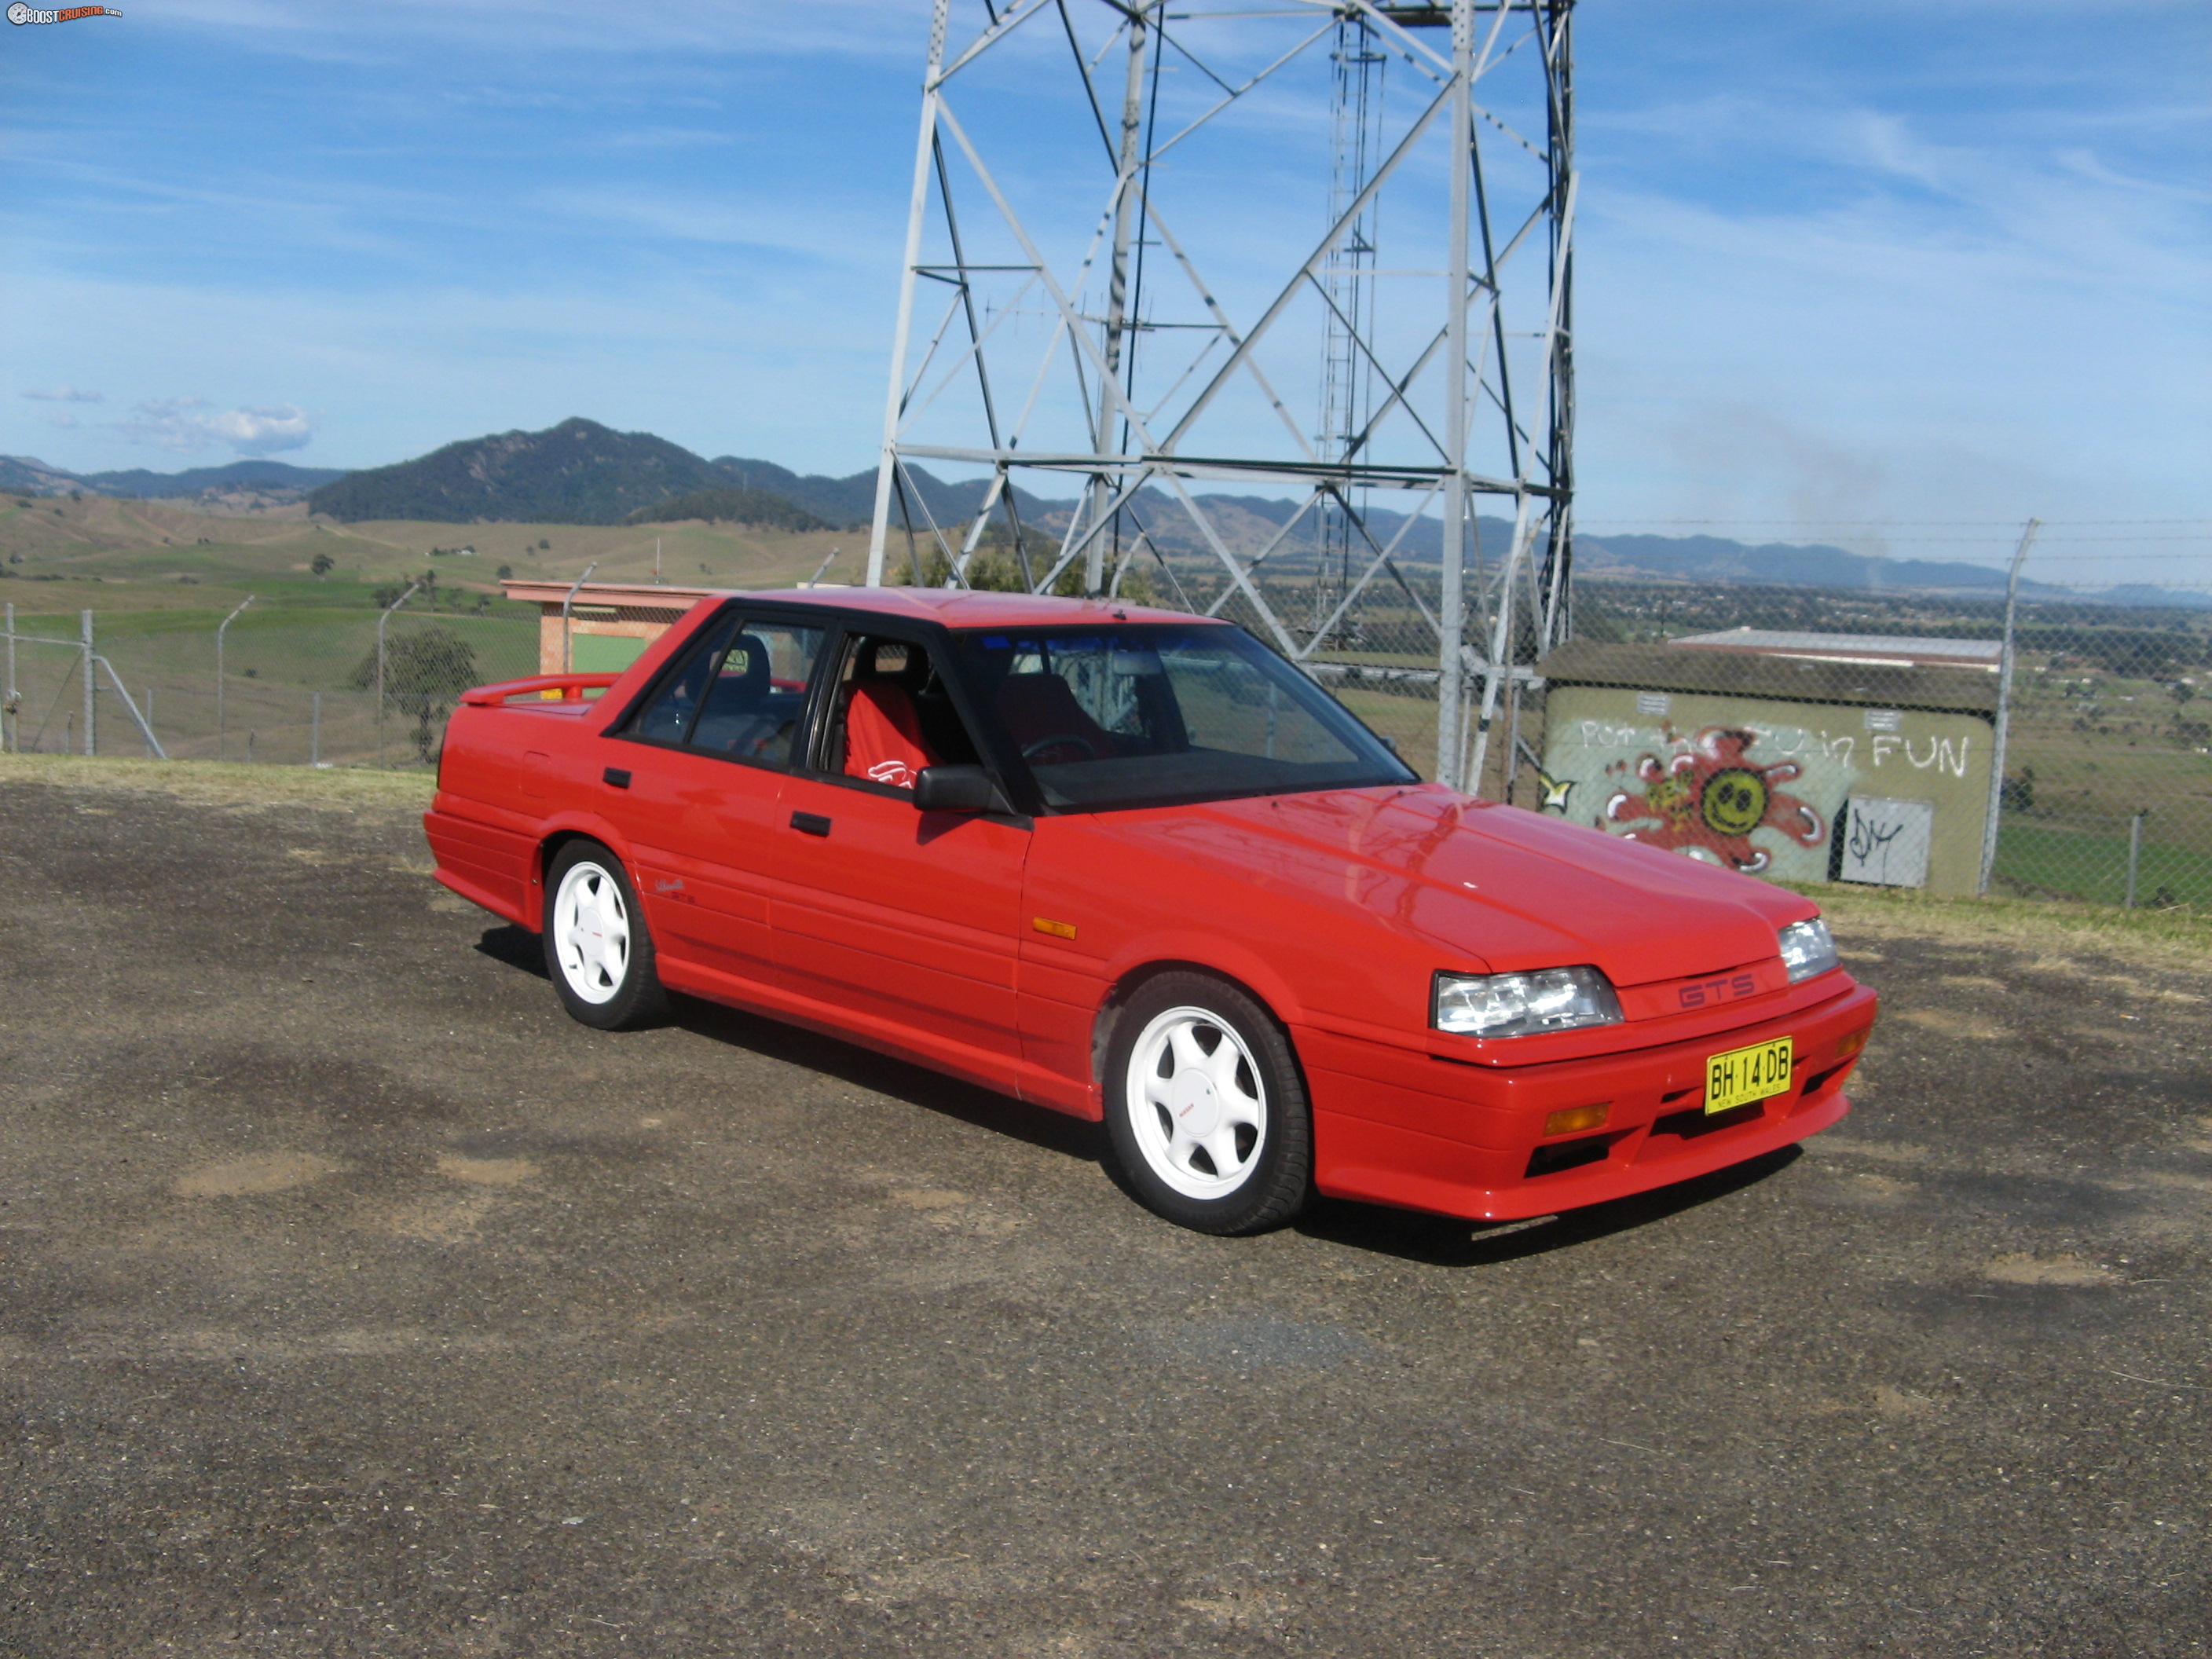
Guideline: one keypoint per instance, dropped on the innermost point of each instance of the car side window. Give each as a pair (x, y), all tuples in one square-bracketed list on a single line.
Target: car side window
[(891, 714), (674, 706), (740, 694), (755, 701)]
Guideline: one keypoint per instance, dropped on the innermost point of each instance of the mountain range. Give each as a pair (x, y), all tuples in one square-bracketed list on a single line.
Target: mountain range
[(21, 475), (582, 472)]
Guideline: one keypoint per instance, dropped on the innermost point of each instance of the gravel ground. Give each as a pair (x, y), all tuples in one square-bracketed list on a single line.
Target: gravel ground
[(357, 1302)]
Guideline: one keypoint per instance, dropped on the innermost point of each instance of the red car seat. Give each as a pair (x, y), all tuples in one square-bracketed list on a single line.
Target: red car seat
[(883, 735), (1038, 707)]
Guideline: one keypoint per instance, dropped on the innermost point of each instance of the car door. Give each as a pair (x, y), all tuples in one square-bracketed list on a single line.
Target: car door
[(907, 923), (697, 773)]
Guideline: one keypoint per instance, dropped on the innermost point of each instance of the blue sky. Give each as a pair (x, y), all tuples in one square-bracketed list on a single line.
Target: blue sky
[(1921, 264)]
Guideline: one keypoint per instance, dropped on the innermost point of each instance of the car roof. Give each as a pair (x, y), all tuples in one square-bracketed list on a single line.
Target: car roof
[(970, 608)]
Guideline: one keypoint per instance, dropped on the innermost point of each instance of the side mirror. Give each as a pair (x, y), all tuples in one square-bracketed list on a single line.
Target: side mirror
[(957, 789)]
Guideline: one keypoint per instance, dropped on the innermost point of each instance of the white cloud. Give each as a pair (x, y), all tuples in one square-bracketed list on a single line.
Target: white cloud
[(65, 394), (61, 417), (178, 424)]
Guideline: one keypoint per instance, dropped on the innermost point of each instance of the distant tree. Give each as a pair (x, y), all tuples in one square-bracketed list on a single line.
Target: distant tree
[(506, 572), (322, 564), (544, 542), (424, 675), (755, 507), (993, 568)]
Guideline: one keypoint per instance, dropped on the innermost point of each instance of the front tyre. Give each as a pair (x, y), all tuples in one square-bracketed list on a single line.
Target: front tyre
[(597, 948), (1206, 1107)]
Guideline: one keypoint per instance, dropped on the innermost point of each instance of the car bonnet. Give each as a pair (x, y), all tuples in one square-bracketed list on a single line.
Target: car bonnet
[(1508, 889)]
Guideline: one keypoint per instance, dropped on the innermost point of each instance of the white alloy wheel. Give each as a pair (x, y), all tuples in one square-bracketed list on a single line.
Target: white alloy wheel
[(591, 932), (1196, 1104)]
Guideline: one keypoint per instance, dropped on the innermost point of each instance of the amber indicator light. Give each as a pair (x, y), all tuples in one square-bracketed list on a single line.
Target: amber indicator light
[(1852, 1044), (1575, 1118), (1057, 929)]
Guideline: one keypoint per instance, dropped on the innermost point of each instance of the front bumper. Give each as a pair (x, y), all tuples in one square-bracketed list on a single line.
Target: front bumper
[(1423, 1133)]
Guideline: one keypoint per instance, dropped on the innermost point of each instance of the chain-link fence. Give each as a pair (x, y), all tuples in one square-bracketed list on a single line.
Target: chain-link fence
[(284, 684)]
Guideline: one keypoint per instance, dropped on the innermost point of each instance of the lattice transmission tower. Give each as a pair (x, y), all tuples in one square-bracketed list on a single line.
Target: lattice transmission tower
[(1253, 305)]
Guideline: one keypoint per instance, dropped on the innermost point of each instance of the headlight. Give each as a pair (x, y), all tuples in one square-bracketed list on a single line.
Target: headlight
[(1517, 1005), (1806, 949)]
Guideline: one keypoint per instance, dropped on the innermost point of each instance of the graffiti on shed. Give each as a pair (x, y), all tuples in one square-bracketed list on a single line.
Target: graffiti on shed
[(1766, 800), (1773, 768), (1707, 798)]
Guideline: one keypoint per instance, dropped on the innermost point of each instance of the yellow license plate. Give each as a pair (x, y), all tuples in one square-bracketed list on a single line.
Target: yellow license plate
[(1743, 1075)]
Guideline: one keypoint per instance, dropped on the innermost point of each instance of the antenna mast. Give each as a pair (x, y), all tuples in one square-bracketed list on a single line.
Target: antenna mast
[(1089, 341)]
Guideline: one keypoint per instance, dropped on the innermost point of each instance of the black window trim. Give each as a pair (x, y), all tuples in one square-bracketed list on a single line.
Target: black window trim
[(936, 639), (619, 729)]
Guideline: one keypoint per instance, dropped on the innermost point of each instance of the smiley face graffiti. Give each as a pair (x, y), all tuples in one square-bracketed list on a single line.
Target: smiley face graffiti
[(1707, 802)]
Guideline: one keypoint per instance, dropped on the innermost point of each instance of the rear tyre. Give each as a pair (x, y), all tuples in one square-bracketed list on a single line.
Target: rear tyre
[(597, 948), (1206, 1109)]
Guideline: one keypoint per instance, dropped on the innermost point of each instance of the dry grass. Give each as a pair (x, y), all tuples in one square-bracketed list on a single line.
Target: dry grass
[(2155, 939), (334, 789)]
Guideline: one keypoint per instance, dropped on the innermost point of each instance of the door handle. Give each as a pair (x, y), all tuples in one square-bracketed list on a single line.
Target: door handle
[(616, 776), (809, 823)]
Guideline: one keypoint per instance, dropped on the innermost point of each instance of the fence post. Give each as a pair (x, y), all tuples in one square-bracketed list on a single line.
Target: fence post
[(91, 684), (315, 731), (8, 696), (2135, 853), (1998, 730), (150, 722), (380, 621), (1501, 646), (221, 731)]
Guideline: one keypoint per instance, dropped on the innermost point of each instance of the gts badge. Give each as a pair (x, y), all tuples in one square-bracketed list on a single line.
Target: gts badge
[(1708, 993), (673, 891)]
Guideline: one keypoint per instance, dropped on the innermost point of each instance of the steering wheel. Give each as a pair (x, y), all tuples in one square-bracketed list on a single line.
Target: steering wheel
[(1043, 745)]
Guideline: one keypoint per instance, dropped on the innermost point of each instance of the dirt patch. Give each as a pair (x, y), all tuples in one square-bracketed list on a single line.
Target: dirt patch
[(487, 1171), (246, 1177), (930, 1199), (1950, 1024), (2019, 1268)]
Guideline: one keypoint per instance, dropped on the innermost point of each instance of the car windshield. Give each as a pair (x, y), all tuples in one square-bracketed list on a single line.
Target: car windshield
[(1154, 715)]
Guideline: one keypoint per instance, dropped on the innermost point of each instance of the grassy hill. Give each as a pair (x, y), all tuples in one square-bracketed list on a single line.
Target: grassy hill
[(755, 507), (111, 554), (578, 473), (32, 476)]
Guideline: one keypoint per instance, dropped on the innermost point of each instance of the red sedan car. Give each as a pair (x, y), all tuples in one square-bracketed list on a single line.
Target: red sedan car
[(1132, 865)]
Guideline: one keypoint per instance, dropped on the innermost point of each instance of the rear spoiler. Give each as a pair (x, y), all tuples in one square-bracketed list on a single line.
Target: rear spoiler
[(565, 688)]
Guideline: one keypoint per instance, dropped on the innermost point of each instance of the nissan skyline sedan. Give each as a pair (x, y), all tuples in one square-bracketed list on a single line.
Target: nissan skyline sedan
[(1133, 866)]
